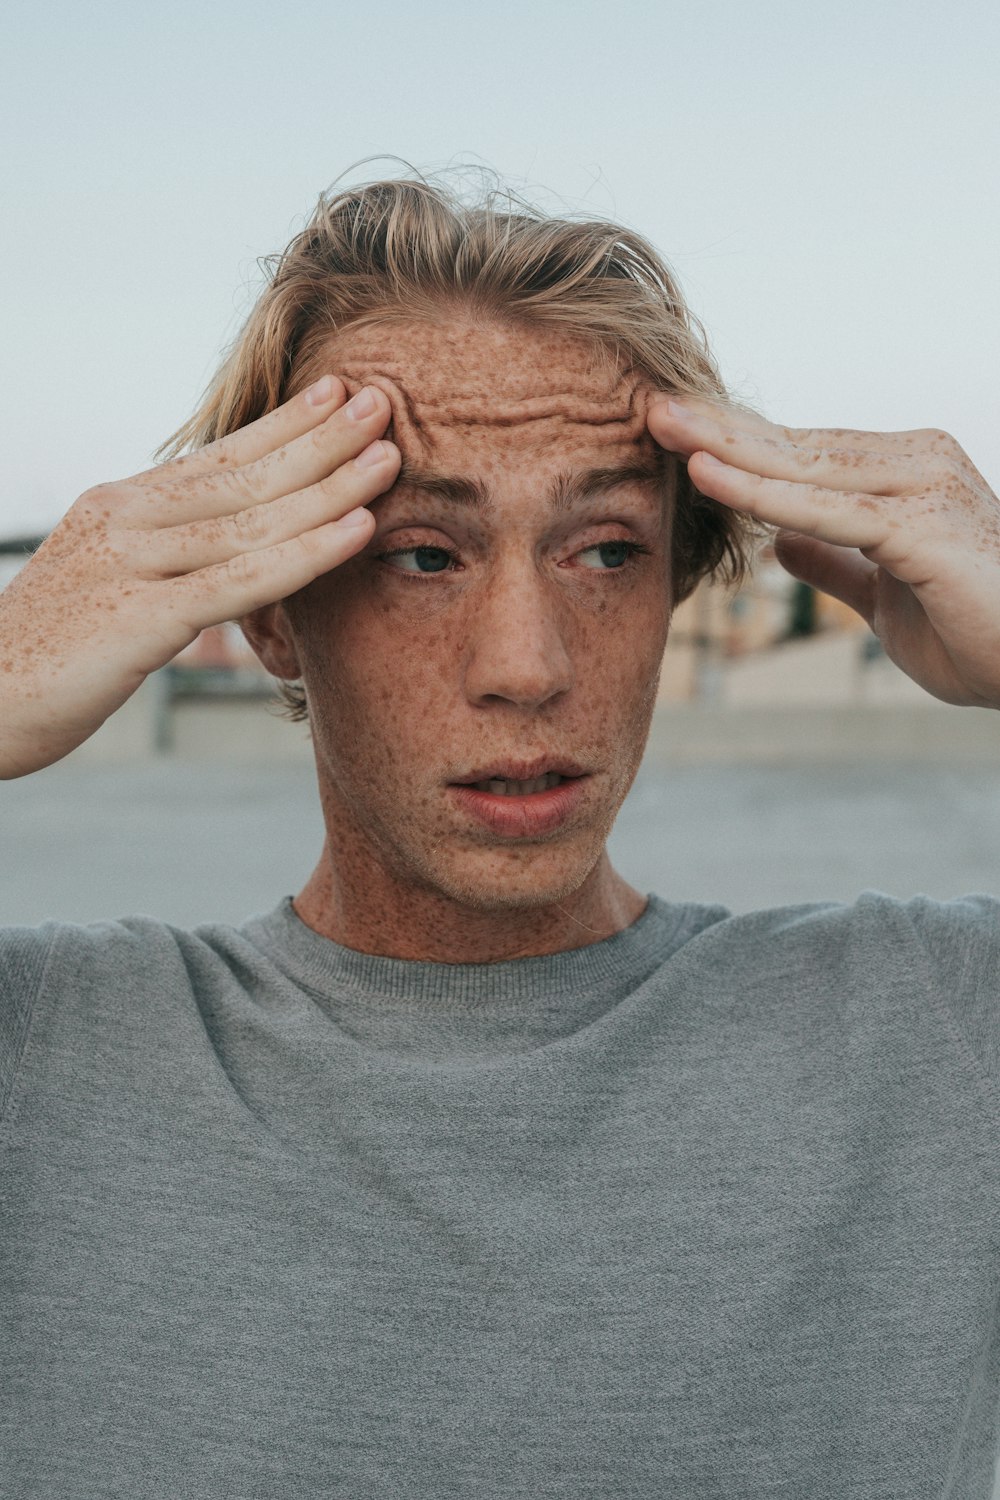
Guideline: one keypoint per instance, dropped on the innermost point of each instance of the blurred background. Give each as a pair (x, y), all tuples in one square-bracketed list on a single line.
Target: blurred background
[(822, 180)]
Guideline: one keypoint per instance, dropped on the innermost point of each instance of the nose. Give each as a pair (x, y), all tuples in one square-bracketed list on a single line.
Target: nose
[(517, 652)]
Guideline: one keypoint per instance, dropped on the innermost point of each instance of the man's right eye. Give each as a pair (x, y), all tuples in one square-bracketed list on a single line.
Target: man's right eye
[(419, 559)]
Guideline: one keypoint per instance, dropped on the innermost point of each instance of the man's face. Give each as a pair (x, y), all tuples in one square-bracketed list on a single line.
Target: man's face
[(501, 623)]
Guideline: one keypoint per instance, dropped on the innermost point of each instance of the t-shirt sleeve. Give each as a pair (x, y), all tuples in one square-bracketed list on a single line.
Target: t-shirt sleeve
[(24, 956), (961, 941)]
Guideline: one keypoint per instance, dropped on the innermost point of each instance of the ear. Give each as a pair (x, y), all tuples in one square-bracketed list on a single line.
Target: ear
[(269, 633)]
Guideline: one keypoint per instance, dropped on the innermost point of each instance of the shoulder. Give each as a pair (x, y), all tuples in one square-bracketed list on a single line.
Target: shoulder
[(878, 960), (127, 942), (852, 953), (43, 966), (874, 923), (135, 955), (133, 976)]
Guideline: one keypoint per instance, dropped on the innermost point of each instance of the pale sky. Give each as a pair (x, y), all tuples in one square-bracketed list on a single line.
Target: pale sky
[(824, 180)]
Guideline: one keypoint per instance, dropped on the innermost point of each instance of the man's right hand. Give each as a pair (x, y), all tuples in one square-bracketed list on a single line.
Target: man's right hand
[(137, 568)]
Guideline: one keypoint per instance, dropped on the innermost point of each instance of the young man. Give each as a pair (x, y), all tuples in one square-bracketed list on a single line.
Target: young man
[(473, 1170)]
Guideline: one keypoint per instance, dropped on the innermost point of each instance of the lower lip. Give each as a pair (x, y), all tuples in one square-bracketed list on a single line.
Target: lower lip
[(522, 817)]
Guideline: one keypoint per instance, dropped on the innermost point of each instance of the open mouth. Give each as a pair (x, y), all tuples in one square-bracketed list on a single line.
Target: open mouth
[(507, 788), (523, 799)]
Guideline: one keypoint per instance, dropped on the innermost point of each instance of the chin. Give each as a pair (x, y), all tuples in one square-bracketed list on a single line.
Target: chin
[(495, 882)]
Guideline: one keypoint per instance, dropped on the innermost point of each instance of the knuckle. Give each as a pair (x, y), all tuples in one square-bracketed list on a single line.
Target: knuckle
[(956, 465), (341, 480), (305, 546), (207, 533), (250, 527), (238, 483), (947, 468), (938, 441), (98, 494), (221, 451), (320, 436), (228, 483), (952, 451), (813, 458), (944, 456), (98, 503), (244, 568)]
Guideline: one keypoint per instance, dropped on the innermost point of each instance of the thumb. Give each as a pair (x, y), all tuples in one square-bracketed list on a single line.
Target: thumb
[(839, 571)]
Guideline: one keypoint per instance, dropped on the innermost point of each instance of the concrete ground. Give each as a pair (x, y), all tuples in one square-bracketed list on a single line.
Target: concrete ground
[(189, 841)]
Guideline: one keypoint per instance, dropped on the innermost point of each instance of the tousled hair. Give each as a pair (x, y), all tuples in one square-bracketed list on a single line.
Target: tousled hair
[(425, 247)]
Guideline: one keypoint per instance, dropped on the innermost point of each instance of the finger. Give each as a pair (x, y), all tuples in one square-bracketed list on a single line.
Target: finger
[(814, 455), (293, 466), (286, 422), (176, 550), (840, 516), (670, 408), (839, 571), (249, 580)]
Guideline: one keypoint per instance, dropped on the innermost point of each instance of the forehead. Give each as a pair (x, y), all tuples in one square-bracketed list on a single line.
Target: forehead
[(474, 393)]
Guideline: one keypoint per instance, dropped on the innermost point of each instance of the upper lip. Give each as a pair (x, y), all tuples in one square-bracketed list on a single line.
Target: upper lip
[(522, 770)]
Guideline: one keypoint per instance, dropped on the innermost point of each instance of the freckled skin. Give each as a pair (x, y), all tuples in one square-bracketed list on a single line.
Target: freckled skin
[(482, 385), (519, 650)]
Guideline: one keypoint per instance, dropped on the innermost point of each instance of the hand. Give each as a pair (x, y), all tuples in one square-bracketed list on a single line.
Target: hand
[(899, 525), (137, 568)]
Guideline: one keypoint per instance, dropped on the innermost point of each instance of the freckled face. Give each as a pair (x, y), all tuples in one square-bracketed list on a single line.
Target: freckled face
[(525, 628)]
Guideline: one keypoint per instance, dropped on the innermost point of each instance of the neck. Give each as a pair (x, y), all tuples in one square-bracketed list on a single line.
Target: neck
[(386, 915)]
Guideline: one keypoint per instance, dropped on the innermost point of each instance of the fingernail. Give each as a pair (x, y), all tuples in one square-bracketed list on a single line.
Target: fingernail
[(675, 408), (359, 517), (361, 405), (321, 391), (374, 454), (709, 458)]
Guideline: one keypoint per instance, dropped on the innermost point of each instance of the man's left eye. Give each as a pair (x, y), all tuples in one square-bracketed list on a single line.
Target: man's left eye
[(609, 554)]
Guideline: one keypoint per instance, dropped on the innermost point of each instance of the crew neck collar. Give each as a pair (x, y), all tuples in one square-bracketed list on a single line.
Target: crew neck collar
[(326, 967)]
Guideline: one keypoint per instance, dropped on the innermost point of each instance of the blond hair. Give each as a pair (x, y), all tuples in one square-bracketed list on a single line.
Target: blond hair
[(419, 247)]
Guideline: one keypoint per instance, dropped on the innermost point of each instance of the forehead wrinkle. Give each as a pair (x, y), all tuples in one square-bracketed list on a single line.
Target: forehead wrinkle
[(418, 424), (614, 413), (568, 407)]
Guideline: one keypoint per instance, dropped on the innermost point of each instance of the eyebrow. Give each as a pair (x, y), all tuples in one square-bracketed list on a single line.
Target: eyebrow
[(567, 490)]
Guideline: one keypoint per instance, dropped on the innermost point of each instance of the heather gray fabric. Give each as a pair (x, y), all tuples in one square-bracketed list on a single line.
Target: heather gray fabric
[(709, 1209)]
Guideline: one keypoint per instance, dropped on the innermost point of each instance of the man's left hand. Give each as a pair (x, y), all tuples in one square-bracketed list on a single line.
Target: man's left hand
[(899, 525)]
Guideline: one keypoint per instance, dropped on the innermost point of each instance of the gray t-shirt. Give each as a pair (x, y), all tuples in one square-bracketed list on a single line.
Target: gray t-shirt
[(708, 1209)]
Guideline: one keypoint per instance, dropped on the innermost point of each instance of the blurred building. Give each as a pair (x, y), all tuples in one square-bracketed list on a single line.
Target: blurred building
[(716, 629)]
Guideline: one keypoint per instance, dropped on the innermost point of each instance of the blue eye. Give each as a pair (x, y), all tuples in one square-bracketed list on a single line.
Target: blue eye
[(611, 554), (419, 559)]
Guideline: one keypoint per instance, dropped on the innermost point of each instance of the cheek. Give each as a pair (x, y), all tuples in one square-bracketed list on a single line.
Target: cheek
[(382, 681), (620, 643), (619, 624)]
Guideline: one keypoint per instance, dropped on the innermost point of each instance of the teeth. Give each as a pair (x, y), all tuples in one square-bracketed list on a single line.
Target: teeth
[(520, 788)]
